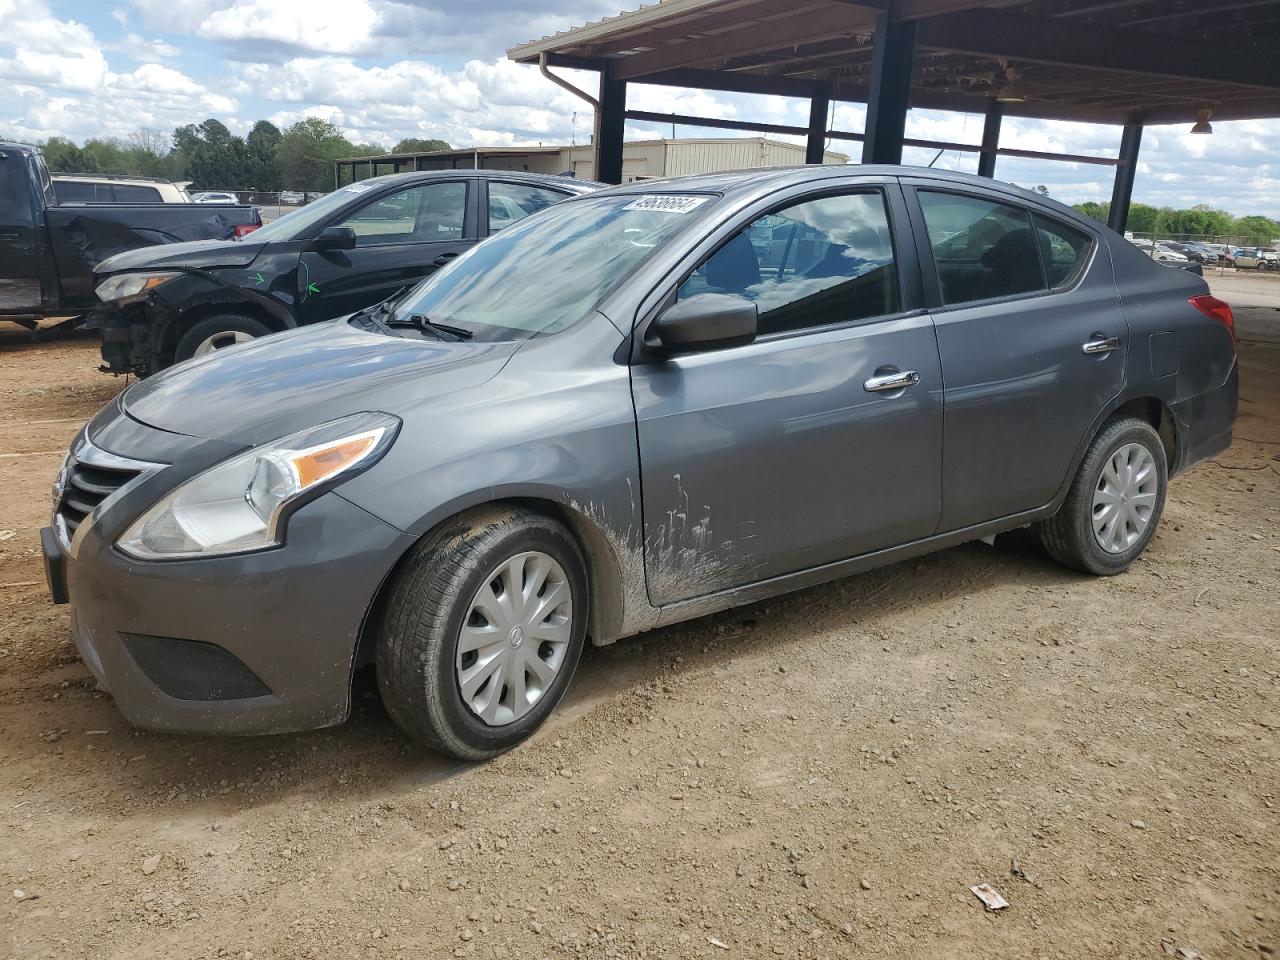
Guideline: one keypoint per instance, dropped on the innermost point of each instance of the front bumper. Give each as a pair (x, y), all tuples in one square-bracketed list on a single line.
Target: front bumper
[(254, 643)]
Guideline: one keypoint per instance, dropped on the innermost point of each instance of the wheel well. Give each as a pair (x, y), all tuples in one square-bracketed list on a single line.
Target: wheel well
[(604, 574), (173, 331), (1159, 416)]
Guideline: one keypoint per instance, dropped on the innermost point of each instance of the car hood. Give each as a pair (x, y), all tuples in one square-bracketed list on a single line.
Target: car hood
[(275, 386), (192, 253)]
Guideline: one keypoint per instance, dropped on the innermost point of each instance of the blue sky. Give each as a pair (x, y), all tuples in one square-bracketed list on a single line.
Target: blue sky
[(386, 69)]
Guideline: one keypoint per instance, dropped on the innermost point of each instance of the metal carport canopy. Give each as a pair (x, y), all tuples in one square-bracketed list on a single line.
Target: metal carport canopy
[(1130, 62)]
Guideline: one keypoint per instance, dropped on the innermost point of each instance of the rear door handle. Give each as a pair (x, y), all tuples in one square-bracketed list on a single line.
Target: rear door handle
[(1100, 344), (892, 381), (444, 258)]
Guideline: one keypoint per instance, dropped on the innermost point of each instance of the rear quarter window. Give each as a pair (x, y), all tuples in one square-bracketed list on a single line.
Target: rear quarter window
[(1064, 250)]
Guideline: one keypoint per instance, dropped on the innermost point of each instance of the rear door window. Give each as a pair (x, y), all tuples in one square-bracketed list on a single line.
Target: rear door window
[(982, 249), (812, 264), (512, 202)]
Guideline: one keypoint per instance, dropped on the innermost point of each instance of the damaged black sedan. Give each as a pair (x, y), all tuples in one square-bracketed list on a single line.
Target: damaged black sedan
[(349, 250)]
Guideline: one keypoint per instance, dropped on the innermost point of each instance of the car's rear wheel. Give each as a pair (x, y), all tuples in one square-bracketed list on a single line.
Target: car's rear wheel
[(217, 332), (1115, 501), (481, 631)]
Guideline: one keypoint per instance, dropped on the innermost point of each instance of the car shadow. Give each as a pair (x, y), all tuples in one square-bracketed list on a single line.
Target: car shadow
[(369, 758)]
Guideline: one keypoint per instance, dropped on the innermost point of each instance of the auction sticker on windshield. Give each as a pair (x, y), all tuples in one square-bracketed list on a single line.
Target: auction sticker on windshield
[(667, 203)]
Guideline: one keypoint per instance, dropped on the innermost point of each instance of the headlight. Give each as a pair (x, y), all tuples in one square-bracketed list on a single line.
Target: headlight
[(240, 504), (130, 286)]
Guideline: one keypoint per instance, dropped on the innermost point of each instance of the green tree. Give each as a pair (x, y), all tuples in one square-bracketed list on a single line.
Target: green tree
[(415, 145), (1257, 229), (306, 152), (1199, 221), (1143, 218), (63, 156), (1091, 208), (213, 156), (263, 171)]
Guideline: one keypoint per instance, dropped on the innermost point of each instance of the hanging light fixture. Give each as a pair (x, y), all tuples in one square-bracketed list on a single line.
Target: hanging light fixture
[(1202, 124), (1009, 91)]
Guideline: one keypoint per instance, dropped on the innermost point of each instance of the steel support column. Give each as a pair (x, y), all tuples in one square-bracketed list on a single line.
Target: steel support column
[(1122, 190), (815, 147), (990, 139), (610, 121), (891, 59)]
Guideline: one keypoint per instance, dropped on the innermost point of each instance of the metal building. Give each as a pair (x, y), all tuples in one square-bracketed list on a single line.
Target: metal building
[(641, 159)]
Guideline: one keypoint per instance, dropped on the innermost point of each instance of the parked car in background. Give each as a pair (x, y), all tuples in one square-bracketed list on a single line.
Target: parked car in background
[(1254, 258), (49, 246), (639, 406), (1225, 256), (348, 250), (1164, 253), (1193, 251), (215, 196), (107, 188), (291, 197)]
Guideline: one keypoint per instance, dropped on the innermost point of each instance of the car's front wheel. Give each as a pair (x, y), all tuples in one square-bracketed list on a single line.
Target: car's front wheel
[(1114, 503), (481, 630), (217, 332)]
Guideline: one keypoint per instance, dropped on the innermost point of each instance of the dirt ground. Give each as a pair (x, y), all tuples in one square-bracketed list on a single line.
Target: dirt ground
[(824, 775)]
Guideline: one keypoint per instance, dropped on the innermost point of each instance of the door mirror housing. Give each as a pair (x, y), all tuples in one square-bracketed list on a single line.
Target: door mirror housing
[(707, 321), (335, 238)]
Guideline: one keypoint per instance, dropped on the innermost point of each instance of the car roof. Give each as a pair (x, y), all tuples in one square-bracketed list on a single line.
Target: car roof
[(542, 179), (748, 184)]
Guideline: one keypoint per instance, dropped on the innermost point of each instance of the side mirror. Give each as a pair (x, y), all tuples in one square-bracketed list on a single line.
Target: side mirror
[(335, 238), (707, 321)]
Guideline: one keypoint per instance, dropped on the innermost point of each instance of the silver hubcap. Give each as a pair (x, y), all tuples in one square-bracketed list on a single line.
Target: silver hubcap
[(1125, 498), (515, 637), (227, 338)]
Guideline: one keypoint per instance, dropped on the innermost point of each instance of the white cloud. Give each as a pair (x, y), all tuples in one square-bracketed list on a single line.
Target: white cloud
[(387, 69), (323, 26)]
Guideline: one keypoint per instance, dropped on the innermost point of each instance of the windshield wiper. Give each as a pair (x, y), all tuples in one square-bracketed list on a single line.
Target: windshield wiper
[(372, 316), (425, 324)]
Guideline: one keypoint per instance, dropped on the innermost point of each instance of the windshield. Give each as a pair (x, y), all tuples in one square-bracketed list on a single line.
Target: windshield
[(549, 271), (297, 222)]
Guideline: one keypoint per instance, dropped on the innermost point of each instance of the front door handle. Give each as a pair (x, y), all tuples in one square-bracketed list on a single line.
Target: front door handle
[(892, 381), (1100, 344), (444, 258)]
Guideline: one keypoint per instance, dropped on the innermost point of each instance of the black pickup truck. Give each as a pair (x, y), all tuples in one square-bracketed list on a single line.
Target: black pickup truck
[(48, 250)]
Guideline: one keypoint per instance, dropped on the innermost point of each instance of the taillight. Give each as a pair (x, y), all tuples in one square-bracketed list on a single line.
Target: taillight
[(243, 229), (1219, 310)]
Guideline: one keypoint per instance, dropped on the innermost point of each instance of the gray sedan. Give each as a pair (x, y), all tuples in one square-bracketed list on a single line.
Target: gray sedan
[(633, 408)]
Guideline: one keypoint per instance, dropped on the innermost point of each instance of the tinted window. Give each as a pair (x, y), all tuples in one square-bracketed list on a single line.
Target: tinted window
[(982, 249), (509, 202), (1063, 248), (816, 263), (128, 193), (431, 212), (74, 191)]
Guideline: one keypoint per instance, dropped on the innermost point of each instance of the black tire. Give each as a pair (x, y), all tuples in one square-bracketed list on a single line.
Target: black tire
[(418, 626), (1069, 536), (214, 325)]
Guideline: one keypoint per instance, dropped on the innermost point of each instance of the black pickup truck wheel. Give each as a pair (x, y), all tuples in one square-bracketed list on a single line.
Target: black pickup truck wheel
[(216, 332)]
